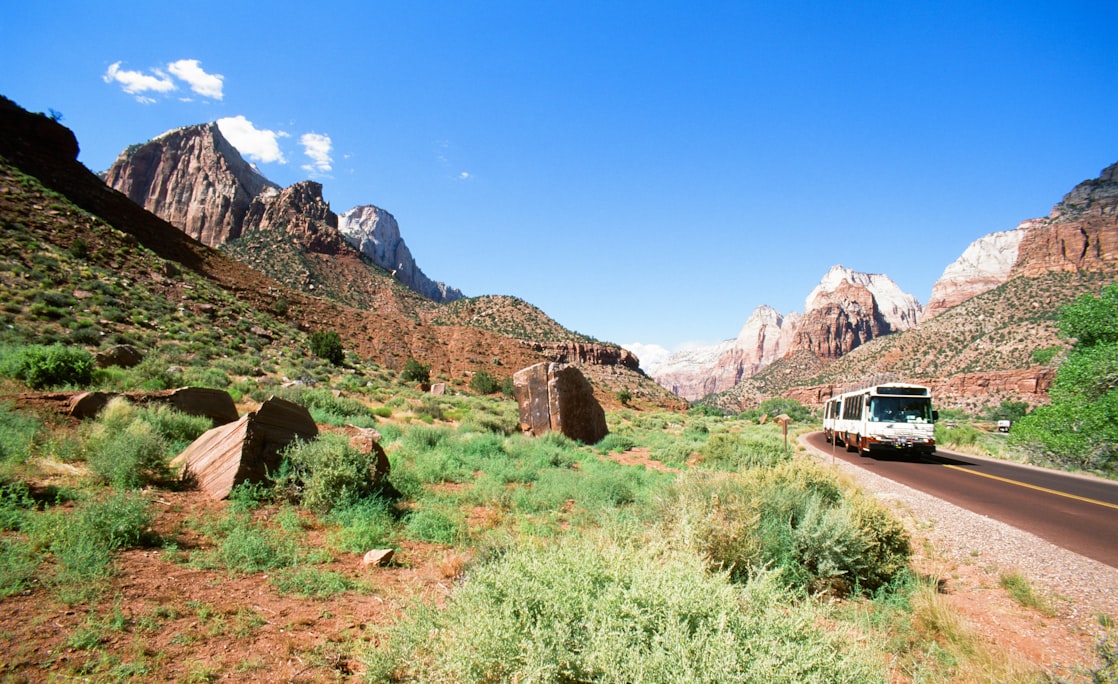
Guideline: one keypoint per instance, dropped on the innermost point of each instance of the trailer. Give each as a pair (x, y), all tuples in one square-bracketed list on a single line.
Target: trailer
[(890, 417)]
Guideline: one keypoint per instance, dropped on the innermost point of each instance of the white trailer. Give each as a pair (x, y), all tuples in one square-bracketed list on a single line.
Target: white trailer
[(889, 417)]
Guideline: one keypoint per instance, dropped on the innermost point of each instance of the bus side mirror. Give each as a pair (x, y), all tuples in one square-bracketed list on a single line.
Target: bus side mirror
[(935, 415)]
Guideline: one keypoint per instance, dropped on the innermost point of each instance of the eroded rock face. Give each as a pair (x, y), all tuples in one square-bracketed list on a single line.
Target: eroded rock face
[(300, 211), (375, 233), (1079, 234), (194, 179), (556, 397), (984, 265)]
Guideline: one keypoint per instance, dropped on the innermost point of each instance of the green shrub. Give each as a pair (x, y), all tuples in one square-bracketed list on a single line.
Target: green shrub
[(483, 383), (247, 546), (326, 472), (415, 371), (19, 566), (54, 366), (435, 526), (311, 582), (587, 612), (327, 346), (728, 451), (84, 541), (793, 518), (17, 434), (124, 450), (363, 525)]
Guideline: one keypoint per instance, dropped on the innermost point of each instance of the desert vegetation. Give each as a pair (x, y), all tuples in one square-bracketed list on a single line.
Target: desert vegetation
[(546, 559)]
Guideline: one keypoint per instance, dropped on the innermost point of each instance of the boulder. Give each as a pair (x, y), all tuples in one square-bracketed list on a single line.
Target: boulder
[(552, 396), (246, 450), (122, 355), (367, 441)]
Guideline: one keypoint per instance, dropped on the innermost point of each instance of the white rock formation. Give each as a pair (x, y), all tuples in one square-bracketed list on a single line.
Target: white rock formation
[(899, 309), (375, 233), (984, 265)]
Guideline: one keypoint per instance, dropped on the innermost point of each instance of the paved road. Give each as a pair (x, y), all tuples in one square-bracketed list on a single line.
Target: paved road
[(1074, 512)]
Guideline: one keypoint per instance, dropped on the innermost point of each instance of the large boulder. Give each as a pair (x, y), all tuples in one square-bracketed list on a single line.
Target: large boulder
[(247, 450), (552, 396)]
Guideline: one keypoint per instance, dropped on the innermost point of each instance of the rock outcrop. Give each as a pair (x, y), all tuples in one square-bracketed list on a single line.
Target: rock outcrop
[(196, 180), (375, 233), (192, 178), (556, 397), (1079, 234)]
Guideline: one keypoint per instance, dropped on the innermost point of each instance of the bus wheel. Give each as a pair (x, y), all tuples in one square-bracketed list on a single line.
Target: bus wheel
[(851, 445)]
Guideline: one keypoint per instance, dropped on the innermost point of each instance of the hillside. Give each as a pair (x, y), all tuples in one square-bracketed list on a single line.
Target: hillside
[(67, 234)]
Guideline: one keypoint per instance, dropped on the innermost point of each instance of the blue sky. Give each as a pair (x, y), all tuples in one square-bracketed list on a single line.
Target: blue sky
[(642, 171)]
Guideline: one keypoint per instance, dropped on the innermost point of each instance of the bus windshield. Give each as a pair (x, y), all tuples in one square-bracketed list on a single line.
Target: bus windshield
[(900, 409)]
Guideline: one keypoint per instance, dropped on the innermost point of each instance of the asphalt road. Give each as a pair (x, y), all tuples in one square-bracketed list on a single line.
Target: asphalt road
[(1075, 512)]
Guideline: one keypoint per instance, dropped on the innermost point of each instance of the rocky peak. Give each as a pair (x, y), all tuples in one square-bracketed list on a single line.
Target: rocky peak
[(375, 233), (898, 309), (1079, 234), (300, 211), (193, 178), (696, 372), (843, 317)]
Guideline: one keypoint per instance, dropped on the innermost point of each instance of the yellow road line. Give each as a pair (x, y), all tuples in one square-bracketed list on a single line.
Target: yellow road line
[(1031, 486)]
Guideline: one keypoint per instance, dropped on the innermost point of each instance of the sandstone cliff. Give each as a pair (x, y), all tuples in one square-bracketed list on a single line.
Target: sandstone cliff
[(196, 180), (1079, 234)]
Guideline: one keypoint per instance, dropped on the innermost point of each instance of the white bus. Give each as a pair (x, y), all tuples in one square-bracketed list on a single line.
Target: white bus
[(890, 417)]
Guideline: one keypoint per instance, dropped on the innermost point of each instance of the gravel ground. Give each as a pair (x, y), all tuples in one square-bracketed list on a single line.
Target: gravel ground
[(1087, 588)]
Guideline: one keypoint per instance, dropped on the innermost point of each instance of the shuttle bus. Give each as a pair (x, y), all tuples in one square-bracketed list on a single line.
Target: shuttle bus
[(890, 417)]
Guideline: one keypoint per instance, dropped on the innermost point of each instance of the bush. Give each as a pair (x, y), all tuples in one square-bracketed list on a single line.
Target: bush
[(483, 383), (582, 611), (327, 346), (54, 366), (83, 541), (327, 472), (793, 518), (124, 449), (414, 371)]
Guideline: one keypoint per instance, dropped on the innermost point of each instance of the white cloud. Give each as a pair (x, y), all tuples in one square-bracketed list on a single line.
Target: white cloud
[(190, 70), (651, 355), (156, 80), (260, 145), (136, 82), (465, 175), (318, 147)]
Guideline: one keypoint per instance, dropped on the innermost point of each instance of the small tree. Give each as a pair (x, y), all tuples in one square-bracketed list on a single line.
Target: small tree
[(483, 383), (328, 346), (415, 371), (624, 396)]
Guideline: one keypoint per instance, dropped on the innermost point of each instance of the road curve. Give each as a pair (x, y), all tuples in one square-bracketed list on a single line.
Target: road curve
[(1074, 512)]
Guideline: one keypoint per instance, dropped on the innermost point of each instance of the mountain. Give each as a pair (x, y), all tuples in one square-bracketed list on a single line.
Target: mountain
[(1079, 234), (85, 265), (845, 310), (193, 178)]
